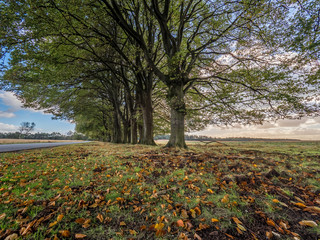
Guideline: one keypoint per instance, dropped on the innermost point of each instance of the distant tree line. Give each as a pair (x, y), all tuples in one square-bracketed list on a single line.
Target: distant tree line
[(208, 138), (40, 135)]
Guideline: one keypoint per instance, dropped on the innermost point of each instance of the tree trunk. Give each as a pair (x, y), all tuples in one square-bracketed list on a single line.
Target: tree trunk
[(178, 112), (117, 133), (133, 130), (147, 117)]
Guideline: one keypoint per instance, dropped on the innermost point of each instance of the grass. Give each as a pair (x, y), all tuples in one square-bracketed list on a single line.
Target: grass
[(108, 191)]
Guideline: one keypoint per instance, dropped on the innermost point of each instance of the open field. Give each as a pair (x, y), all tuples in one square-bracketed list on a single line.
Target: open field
[(245, 190), (16, 141)]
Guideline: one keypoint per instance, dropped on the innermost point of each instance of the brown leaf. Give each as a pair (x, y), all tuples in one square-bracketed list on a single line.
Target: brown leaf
[(312, 209), (13, 236), (100, 217), (80, 220), (308, 223), (159, 226), (214, 220), (59, 218), (2, 216), (80, 235), (270, 222), (184, 214), (52, 224), (122, 224), (65, 233), (225, 199), (196, 236), (269, 234)]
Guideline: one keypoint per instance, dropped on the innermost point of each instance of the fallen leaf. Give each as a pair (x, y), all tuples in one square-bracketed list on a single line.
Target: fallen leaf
[(312, 209), (270, 222), (132, 232), (269, 234), (122, 224), (65, 233), (80, 235), (214, 220), (13, 236), (180, 223), (159, 226), (80, 220), (300, 205), (308, 223), (225, 199), (59, 218), (209, 191), (100, 217), (196, 236), (52, 224), (2, 216), (184, 214)]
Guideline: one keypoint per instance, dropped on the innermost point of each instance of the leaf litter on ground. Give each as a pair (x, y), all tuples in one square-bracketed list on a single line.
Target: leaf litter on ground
[(109, 191)]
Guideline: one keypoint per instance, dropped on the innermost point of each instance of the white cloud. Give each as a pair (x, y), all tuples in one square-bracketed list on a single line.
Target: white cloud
[(6, 114), (14, 104), (11, 101), (8, 127)]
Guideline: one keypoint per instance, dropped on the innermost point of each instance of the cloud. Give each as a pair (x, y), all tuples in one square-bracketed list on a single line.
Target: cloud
[(10, 100), (292, 122), (6, 114), (8, 127), (14, 104)]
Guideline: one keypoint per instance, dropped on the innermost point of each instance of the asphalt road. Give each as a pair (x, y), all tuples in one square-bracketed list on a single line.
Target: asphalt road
[(26, 146)]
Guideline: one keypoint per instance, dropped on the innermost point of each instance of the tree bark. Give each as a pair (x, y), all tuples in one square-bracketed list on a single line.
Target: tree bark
[(145, 102), (147, 116), (178, 111)]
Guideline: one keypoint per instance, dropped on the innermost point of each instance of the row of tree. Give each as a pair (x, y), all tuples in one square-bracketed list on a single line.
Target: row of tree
[(41, 135), (125, 70)]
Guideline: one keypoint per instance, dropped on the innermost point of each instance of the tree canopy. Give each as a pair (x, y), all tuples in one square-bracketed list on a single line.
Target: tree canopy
[(124, 69)]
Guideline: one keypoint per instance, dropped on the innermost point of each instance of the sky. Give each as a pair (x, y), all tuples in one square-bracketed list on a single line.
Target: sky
[(12, 115)]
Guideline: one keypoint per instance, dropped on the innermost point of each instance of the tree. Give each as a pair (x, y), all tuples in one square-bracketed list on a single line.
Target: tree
[(26, 127), (211, 43), (218, 61)]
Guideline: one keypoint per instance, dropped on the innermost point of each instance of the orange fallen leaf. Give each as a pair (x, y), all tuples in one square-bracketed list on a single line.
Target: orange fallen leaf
[(52, 224), (301, 205), (100, 217), (80, 235), (270, 222), (225, 199), (180, 223), (269, 234), (214, 220), (80, 220), (122, 224), (65, 233), (59, 218), (275, 200), (209, 191), (159, 226), (198, 211), (132, 232)]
